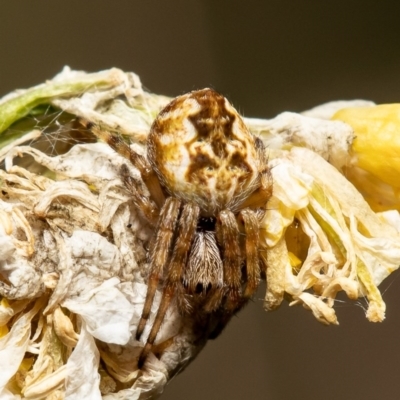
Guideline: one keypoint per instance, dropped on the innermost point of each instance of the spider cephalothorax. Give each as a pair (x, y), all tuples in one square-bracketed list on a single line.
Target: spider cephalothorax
[(209, 184)]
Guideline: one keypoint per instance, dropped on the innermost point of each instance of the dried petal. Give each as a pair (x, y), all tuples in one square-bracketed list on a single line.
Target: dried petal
[(64, 328), (83, 379), (109, 322)]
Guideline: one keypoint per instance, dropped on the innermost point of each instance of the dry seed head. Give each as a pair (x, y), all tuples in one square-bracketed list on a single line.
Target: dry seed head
[(203, 152)]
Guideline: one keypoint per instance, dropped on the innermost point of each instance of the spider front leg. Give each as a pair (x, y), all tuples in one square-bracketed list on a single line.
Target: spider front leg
[(142, 201), (159, 254), (138, 161), (185, 233)]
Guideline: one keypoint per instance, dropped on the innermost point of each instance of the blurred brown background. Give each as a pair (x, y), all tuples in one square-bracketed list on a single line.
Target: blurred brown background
[(267, 57)]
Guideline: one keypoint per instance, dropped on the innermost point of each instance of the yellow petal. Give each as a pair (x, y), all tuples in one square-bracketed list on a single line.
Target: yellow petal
[(376, 148)]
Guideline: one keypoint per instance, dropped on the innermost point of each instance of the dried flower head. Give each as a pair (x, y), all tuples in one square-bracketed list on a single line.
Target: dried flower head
[(74, 241)]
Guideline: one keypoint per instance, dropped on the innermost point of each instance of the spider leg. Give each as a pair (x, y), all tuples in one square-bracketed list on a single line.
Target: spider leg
[(185, 233), (251, 228), (159, 253), (260, 197), (231, 258), (138, 161), (140, 199)]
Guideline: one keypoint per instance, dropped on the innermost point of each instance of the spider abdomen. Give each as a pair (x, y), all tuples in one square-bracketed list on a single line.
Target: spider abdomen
[(203, 152)]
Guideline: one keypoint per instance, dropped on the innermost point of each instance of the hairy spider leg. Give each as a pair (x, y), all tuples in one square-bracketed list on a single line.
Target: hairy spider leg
[(231, 258), (224, 302), (138, 161), (251, 228), (260, 197), (159, 253), (184, 238), (142, 201)]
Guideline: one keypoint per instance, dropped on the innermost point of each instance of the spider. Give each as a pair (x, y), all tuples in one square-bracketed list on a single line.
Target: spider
[(208, 184)]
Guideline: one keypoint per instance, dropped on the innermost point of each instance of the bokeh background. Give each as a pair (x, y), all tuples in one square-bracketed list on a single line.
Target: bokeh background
[(266, 57)]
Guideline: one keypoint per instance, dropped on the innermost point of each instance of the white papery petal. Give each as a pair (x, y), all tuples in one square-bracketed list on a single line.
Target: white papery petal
[(277, 218), (7, 247), (7, 395), (83, 379), (381, 255), (391, 217), (106, 311), (291, 185), (329, 139)]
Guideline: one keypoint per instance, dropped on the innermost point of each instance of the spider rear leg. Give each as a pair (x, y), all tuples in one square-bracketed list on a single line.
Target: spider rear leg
[(159, 255), (229, 237), (253, 272), (185, 233)]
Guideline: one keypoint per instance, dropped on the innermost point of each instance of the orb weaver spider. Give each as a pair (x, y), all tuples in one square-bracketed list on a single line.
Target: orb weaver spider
[(208, 184)]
